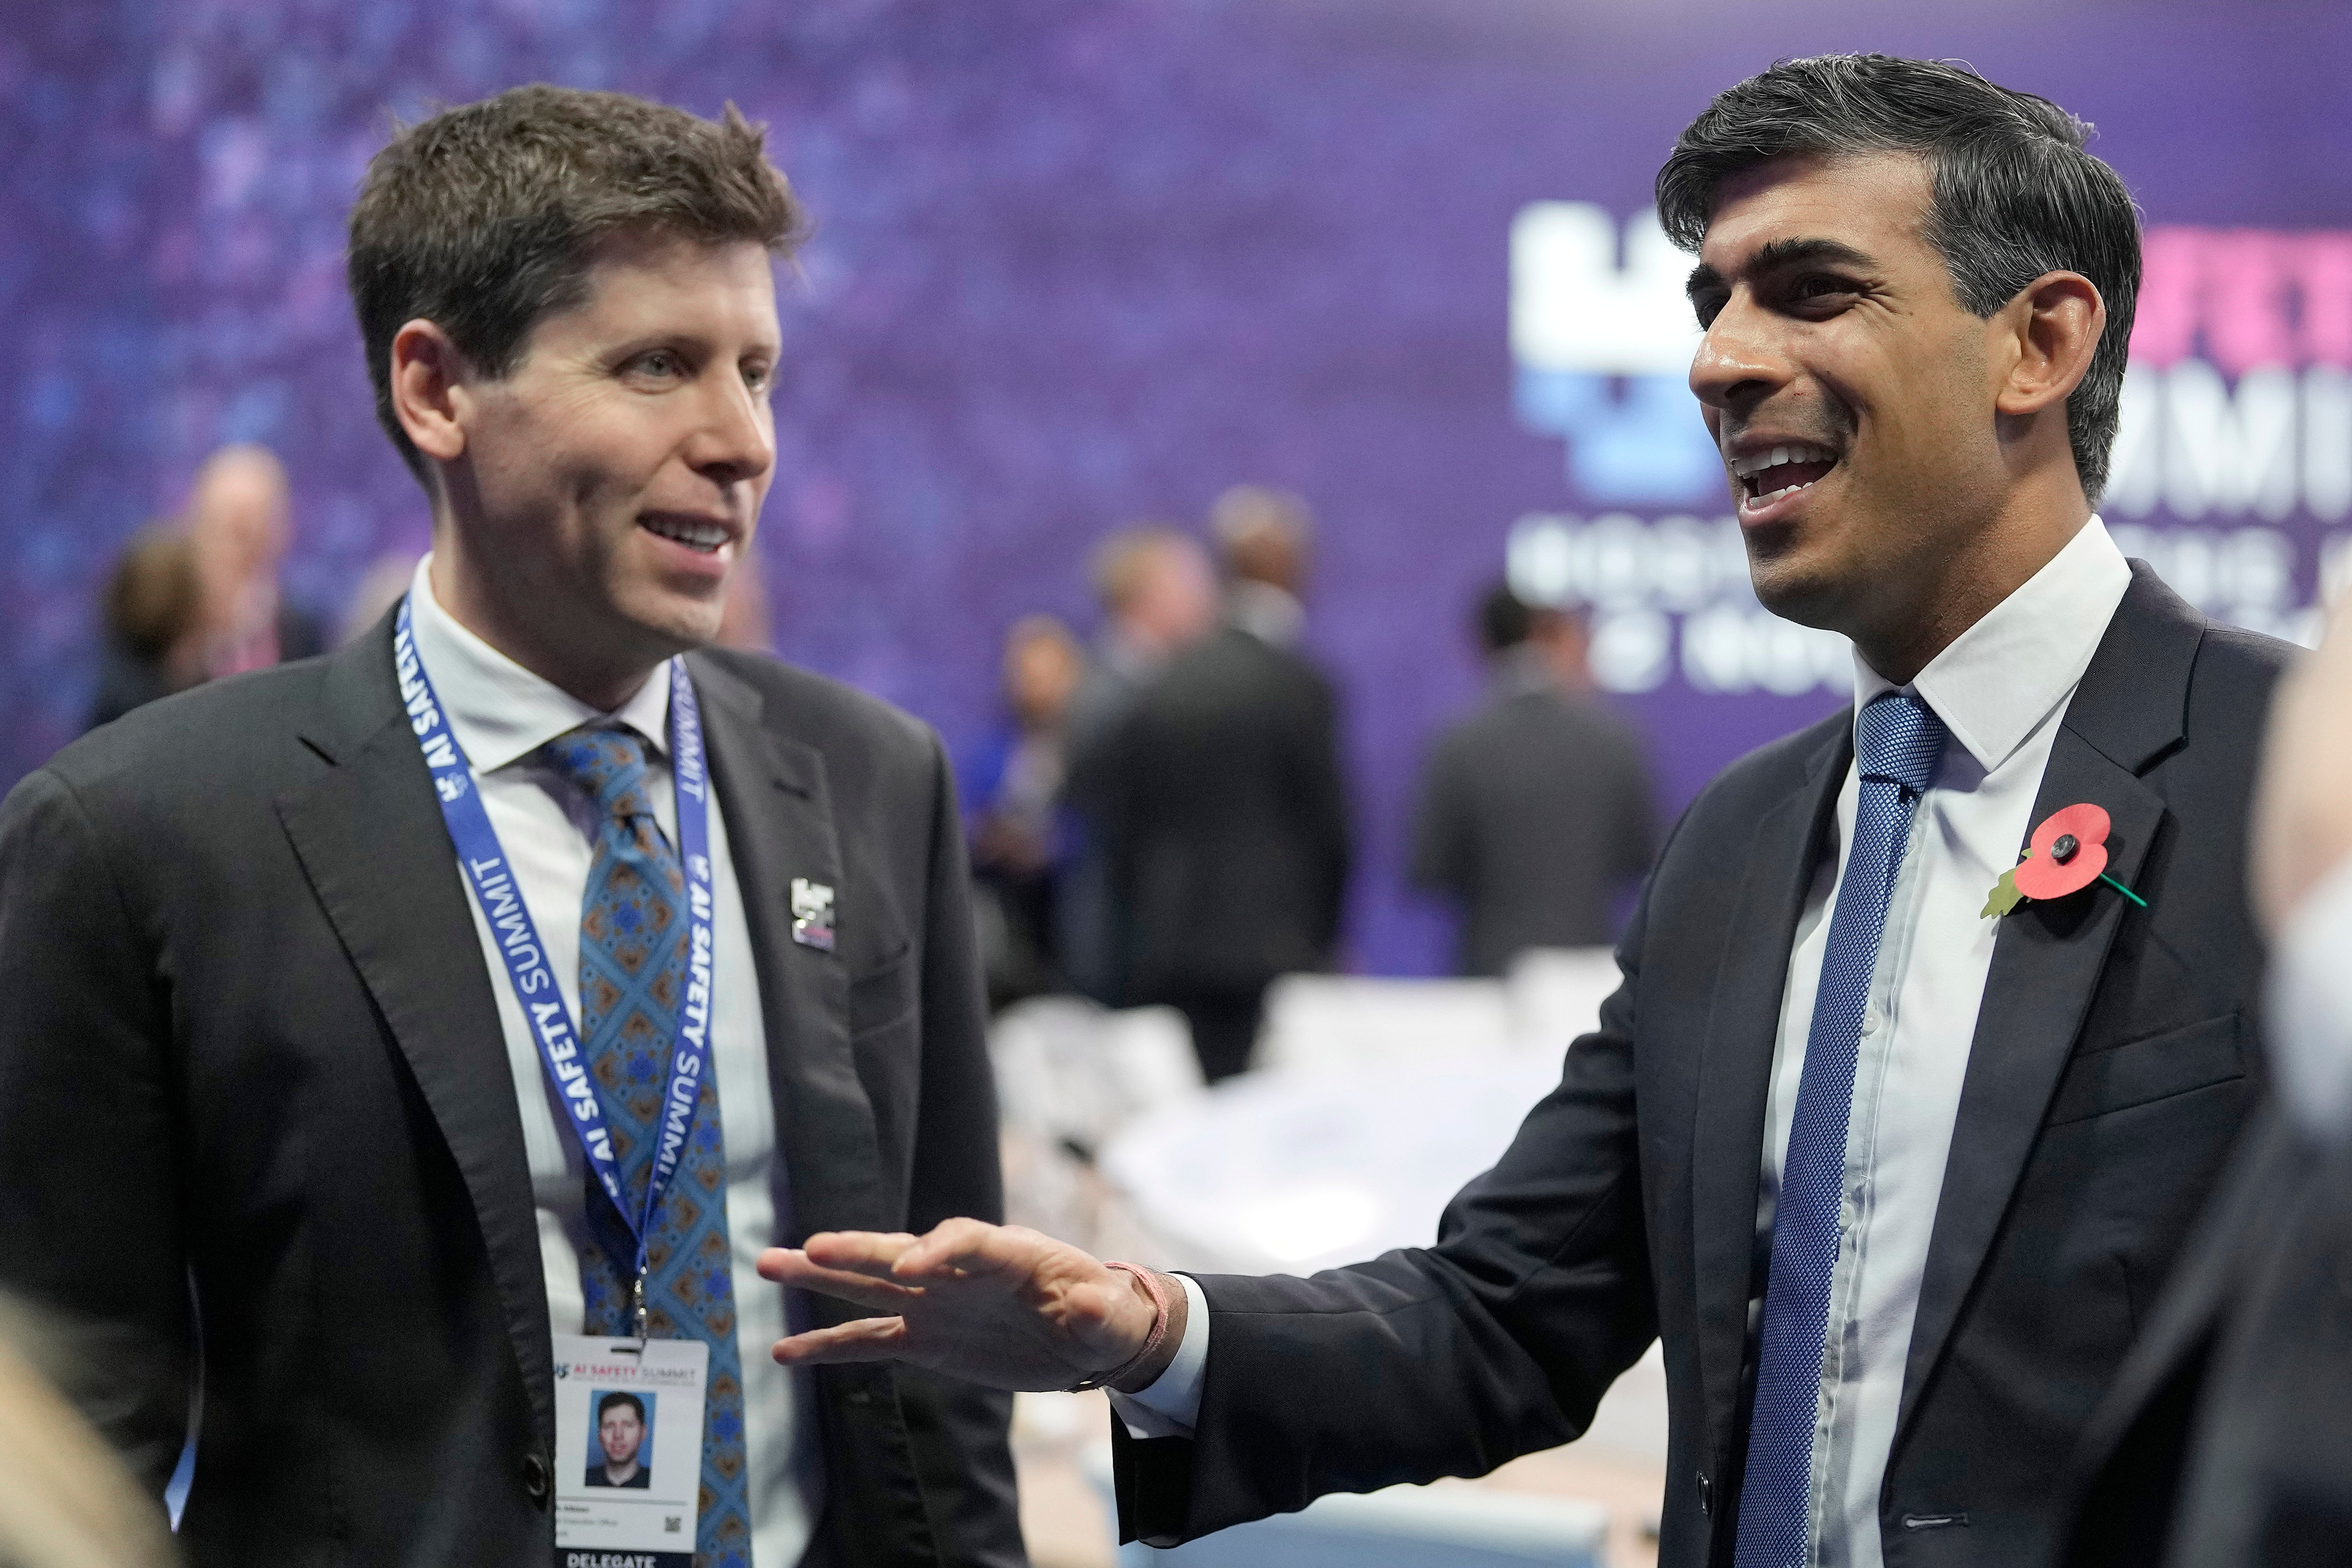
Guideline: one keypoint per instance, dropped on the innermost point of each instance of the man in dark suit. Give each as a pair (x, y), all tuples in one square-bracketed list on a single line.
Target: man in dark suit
[(1891, 1163), (274, 1120), (1535, 810), (2228, 1436), (1225, 819)]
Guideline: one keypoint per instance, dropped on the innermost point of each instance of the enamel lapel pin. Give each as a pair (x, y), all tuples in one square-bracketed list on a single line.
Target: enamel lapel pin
[(813, 914)]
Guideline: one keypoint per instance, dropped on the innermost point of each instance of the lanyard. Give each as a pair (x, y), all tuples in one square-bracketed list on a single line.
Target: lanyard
[(492, 880)]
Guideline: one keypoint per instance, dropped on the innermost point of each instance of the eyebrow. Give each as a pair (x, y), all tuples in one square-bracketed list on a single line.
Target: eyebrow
[(1779, 253)]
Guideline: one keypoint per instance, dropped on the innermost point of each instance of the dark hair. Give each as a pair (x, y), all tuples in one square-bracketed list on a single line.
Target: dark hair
[(630, 1400), (2015, 194), (153, 596), (483, 218), (1505, 621)]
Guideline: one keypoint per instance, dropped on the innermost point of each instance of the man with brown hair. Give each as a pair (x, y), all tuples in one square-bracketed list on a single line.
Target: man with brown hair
[(316, 972)]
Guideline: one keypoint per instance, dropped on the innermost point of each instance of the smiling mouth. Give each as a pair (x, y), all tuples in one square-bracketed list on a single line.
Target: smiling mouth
[(1773, 476), (693, 533)]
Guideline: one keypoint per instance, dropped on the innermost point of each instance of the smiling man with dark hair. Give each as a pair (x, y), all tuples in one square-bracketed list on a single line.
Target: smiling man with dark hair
[(1890, 1161), (521, 971)]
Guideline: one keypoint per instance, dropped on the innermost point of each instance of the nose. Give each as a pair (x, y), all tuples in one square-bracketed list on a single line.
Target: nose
[(1737, 365), (736, 438)]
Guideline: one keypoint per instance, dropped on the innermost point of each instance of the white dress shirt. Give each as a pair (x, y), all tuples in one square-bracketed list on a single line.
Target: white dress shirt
[(502, 714), (2001, 688)]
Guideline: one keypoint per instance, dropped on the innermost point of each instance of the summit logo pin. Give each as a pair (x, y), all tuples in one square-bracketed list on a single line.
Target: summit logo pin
[(813, 914)]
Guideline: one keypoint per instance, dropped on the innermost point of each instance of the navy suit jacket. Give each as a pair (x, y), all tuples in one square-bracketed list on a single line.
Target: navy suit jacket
[(2105, 1084)]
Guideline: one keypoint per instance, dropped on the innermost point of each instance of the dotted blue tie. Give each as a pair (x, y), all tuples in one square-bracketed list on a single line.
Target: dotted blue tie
[(1896, 743), (632, 979)]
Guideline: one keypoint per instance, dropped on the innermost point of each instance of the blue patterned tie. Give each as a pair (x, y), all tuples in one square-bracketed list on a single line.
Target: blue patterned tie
[(632, 978), (1896, 743)]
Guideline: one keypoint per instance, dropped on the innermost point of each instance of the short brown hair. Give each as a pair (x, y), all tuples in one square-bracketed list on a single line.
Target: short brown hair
[(483, 218)]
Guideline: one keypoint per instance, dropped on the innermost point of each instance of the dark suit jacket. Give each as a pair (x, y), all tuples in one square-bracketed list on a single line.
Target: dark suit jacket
[(1226, 821), (1534, 815), (251, 1053), (2104, 1084), (2228, 1438)]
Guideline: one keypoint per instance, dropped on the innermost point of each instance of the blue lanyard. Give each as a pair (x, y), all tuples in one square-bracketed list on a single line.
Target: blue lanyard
[(488, 873)]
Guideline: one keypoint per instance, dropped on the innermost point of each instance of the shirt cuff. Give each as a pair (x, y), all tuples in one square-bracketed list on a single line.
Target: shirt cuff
[(2311, 1011), (1170, 1406)]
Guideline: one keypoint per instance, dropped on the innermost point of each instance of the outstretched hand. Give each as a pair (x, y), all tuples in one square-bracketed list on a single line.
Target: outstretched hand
[(1002, 1306)]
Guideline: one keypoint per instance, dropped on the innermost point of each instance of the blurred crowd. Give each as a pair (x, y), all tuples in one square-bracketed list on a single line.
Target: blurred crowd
[(1163, 819)]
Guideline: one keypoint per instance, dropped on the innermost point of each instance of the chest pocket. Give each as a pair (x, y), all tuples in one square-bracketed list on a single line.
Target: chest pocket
[(2144, 1071)]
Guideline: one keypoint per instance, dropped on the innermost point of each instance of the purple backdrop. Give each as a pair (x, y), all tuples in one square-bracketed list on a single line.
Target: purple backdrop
[(1081, 263)]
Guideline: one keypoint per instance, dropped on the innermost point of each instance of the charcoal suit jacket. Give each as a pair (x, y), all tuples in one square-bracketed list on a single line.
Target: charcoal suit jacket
[(2106, 1080), (257, 1124)]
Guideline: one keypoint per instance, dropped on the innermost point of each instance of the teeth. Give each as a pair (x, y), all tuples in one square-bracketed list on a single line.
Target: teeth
[(694, 535), (1795, 452)]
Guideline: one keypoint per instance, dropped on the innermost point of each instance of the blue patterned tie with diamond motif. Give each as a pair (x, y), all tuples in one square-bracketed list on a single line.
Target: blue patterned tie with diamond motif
[(632, 979), (1897, 740)]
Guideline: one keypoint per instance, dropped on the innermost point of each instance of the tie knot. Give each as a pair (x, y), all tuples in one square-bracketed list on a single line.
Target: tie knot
[(608, 762), (1899, 738)]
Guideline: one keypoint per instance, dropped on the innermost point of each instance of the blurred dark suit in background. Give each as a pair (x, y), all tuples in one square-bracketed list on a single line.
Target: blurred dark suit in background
[(1535, 810), (1227, 824), (1159, 596)]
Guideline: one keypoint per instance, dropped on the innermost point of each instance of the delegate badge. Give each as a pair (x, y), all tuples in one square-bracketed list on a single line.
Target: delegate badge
[(628, 1451)]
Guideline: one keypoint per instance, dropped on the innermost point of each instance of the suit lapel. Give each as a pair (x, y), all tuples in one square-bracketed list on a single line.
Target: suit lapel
[(1736, 1071), (2127, 712), (780, 827), (372, 842)]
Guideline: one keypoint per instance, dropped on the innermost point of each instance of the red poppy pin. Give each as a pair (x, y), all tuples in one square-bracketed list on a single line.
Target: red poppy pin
[(2068, 853)]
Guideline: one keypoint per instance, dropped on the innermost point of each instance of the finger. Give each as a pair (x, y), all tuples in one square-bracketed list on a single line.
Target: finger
[(787, 1266), (866, 1251), (969, 1245), (863, 1340)]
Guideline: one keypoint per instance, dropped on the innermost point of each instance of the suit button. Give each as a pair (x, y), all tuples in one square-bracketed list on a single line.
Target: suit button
[(534, 1478), (1705, 1496)]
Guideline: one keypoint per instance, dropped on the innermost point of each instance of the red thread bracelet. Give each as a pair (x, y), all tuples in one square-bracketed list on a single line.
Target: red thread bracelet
[(1158, 1294)]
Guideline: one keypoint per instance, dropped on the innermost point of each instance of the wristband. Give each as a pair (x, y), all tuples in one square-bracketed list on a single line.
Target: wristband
[(1158, 1294)]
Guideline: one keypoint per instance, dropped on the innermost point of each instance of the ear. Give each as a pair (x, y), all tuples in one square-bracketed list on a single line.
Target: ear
[(2055, 322), (431, 389)]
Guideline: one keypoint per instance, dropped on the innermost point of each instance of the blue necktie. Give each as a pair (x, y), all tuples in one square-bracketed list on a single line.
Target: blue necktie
[(1897, 740), (632, 979)]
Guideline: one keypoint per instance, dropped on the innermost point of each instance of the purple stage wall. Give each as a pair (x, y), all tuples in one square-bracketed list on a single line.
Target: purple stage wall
[(1078, 264)]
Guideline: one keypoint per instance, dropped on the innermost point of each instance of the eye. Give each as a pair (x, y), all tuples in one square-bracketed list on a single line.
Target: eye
[(1708, 305), (658, 364), (1821, 289), (759, 378)]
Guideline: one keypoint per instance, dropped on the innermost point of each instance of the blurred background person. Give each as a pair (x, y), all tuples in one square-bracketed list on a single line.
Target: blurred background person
[(239, 522), (1535, 810), (1159, 596), (69, 1503), (746, 622), (1014, 811), (1227, 821), (150, 609)]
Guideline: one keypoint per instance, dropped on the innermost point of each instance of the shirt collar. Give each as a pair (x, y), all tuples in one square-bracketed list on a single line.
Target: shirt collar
[(2002, 678), (499, 711)]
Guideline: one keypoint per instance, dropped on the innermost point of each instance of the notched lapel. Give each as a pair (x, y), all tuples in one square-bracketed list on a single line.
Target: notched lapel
[(1735, 1074), (372, 843), (780, 827), (2046, 963)]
